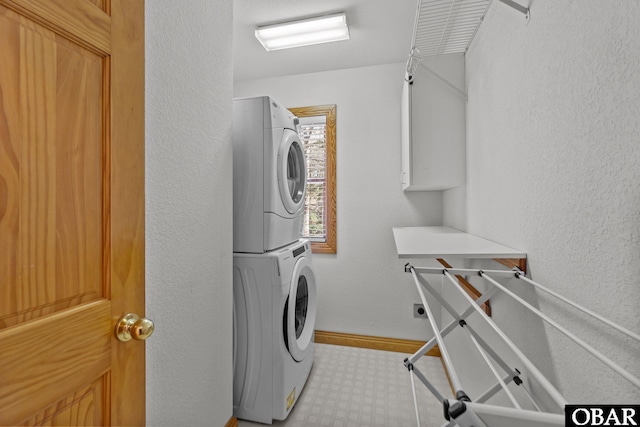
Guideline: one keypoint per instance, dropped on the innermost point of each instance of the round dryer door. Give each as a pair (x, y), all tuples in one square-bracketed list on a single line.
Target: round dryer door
[(300, 310), (292, 171)]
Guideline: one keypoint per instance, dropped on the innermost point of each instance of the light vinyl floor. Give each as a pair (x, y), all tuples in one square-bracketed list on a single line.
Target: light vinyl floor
[(356, 387)]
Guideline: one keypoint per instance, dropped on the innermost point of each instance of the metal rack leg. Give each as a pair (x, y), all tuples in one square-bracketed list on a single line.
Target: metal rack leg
[(544, 382)]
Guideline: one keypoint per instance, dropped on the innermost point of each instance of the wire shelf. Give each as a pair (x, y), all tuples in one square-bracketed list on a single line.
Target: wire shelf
[(446, 26)]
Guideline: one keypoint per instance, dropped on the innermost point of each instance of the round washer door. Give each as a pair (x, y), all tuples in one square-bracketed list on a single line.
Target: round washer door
[(292, 171), (301, 309)]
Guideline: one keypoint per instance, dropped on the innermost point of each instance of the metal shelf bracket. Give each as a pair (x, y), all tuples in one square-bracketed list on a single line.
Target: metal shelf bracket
[(524, 10)]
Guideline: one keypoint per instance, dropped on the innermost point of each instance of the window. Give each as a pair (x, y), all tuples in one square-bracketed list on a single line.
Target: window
[(318, 135), (313, 133)]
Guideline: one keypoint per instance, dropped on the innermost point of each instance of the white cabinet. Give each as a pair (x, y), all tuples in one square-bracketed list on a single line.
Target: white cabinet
[(433, 125)]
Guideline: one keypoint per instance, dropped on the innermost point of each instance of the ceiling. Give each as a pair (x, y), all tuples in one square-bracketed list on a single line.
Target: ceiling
[(380, 30)]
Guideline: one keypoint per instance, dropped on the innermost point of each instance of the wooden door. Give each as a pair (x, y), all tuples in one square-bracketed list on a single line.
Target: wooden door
[(71, 211)]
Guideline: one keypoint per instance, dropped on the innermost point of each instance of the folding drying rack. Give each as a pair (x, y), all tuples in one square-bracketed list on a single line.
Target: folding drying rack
[(461, 411)]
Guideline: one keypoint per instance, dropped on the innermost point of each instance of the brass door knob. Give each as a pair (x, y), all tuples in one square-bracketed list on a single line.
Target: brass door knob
[(130, 326)]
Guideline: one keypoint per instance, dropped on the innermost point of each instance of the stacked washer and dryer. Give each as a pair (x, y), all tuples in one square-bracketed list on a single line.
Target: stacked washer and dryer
[(274, 286)]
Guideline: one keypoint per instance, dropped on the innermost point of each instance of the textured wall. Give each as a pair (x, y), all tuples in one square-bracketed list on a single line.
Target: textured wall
[(363, 289), (189, 210), (553, 149)]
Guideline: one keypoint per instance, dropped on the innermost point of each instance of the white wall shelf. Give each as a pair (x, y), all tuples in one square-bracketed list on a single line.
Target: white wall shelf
[(447, 242)]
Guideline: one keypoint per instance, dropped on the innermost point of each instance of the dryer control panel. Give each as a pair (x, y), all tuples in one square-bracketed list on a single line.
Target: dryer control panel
[(297, 252)]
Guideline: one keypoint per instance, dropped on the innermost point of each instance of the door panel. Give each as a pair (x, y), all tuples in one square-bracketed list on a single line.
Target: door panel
[(77, 20), (52, 358), (71, 211), (52, 161), (80, 408)]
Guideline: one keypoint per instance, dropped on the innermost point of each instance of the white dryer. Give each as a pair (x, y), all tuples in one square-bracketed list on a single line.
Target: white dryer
[(269, 176), (274, 296)]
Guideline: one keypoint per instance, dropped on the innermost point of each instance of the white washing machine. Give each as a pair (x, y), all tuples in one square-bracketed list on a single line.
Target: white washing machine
[(269, 176), (274, 297)]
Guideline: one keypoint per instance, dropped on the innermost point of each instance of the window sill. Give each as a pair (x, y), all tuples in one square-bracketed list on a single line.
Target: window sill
[(323, 247)]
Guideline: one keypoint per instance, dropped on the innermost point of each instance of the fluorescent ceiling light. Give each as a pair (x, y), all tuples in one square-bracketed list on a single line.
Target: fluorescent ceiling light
[(324, 29)]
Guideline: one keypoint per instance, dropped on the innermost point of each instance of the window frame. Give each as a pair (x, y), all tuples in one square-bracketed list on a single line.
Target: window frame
[(330, 246)]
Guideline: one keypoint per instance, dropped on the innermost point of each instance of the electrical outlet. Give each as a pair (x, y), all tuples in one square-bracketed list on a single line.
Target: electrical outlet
[(419, 311)]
